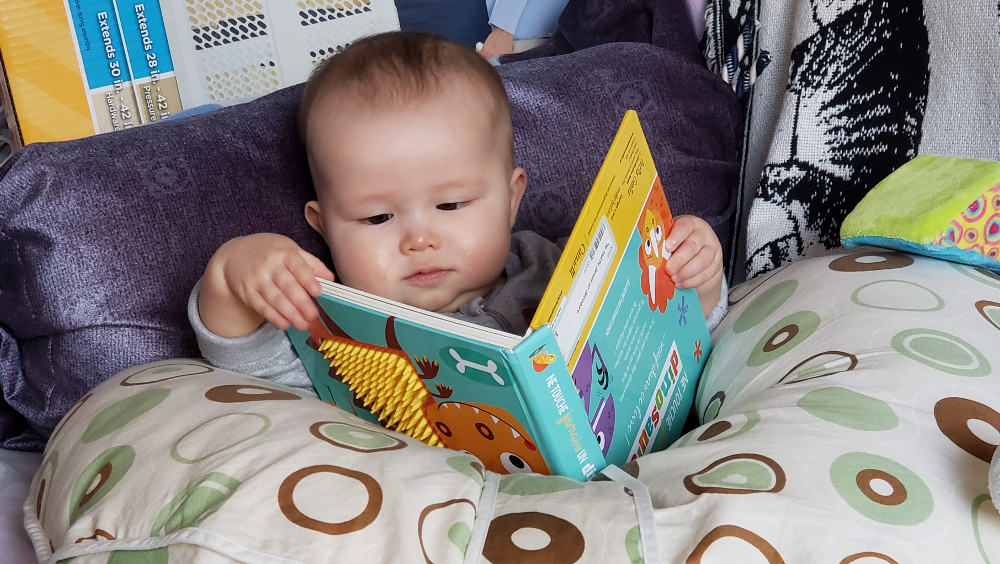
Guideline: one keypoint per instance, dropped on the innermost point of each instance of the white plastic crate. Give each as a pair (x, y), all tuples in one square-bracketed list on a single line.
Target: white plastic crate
[(230, 51)]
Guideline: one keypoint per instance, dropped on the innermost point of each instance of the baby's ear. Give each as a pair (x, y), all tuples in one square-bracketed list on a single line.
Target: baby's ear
[(518, 183), (314, 217)]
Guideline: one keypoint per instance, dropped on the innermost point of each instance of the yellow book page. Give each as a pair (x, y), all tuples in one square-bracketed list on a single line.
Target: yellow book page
[(599, 237)]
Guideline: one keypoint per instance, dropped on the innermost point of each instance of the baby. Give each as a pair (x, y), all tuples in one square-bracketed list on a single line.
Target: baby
[(410, 147)]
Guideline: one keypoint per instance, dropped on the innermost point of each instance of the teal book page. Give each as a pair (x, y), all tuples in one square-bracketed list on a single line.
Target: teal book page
[(638, 368), (479, 395), (328, 386), (477, 404)]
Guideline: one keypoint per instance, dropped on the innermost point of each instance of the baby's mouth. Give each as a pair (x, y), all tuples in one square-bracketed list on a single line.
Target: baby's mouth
[(427, 276)]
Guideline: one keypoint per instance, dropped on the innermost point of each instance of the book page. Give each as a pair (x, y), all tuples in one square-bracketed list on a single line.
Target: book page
[(595, 247), (634, 344)]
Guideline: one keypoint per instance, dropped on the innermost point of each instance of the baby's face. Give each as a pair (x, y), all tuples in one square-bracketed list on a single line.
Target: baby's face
[(416, 202)]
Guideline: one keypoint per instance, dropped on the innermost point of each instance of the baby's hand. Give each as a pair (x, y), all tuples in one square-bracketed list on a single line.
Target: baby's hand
[(696, 258), (257, 277)]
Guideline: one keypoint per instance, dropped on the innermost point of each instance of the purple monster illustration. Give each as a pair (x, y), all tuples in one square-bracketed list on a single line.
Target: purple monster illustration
[(590, 370)]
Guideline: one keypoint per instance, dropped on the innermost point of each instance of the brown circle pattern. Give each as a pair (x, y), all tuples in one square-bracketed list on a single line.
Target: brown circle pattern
[(99, 534), (732, 531), (243, 393), (854, 263), (776, 471), (866, 477), (714, 406), (365, 517), (781, 337), (566, 542), (836, 362), (189, 369), (317, 431), (861, 555), (984, 307), (714, 430), (953, 416)]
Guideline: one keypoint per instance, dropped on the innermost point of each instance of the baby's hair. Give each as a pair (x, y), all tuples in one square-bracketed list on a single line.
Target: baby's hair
[(400, 67)]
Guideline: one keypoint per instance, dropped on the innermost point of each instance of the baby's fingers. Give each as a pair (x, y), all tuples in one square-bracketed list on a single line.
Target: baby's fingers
[(696, 270), (679, 233), (318, 269), (291, 297), (272, 314)]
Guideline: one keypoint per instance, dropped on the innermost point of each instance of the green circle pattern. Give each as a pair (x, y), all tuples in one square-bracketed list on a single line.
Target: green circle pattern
[(714, 407), (107, 469), (633, 548), (978, 274), (706, 375), (232, 433), (916, 297), (721, 430), (202, 497), (739, 474), (909, 505), (849, 409), (764, 305), (121, 413), (982, 510), (468, 465), (358, 437), (941, 351), (459, 535), (992, 314)]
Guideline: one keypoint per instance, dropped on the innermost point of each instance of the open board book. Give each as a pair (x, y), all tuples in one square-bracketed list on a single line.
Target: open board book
[(606, 373)]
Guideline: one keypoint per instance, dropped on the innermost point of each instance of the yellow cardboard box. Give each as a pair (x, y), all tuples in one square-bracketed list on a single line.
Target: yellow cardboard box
[(42, 76), (78, 67)]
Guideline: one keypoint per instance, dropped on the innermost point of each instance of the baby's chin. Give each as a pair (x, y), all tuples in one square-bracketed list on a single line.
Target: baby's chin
[(434, 299), (441, 304)]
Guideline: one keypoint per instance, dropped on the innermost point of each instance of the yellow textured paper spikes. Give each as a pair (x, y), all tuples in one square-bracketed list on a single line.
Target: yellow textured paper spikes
[(386, 382)]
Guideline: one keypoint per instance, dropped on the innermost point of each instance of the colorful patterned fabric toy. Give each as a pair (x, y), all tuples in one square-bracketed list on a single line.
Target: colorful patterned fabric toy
[(947, 207)]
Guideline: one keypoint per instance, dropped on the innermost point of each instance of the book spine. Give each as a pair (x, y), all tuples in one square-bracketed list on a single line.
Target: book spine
[(559, 420)]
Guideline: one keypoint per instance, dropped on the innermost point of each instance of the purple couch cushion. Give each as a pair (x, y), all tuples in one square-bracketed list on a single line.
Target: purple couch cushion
[(102, 238)]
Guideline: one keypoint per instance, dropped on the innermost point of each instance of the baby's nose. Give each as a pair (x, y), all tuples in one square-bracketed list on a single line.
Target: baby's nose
[(420, 235)]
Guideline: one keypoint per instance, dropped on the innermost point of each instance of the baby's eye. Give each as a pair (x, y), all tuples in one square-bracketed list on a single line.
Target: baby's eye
[(377, 219), (450, 206)]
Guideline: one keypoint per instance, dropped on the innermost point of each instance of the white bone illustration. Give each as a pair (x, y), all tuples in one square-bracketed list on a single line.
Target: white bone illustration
[(490, 367)]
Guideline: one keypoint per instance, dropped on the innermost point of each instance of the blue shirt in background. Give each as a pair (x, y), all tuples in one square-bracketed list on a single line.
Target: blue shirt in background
[(525, 19)]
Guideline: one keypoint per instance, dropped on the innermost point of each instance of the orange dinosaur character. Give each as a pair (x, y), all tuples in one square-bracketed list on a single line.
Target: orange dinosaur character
[(655, 280), (491, 432)]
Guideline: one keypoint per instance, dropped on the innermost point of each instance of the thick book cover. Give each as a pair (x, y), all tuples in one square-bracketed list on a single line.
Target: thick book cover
[(606, 373), (635, 345)]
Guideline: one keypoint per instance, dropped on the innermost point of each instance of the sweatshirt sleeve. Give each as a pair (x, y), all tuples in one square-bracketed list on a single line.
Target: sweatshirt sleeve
[(720, 309), (265, 353)]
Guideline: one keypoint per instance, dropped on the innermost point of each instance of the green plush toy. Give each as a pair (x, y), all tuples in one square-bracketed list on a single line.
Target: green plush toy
[(946, 207)]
